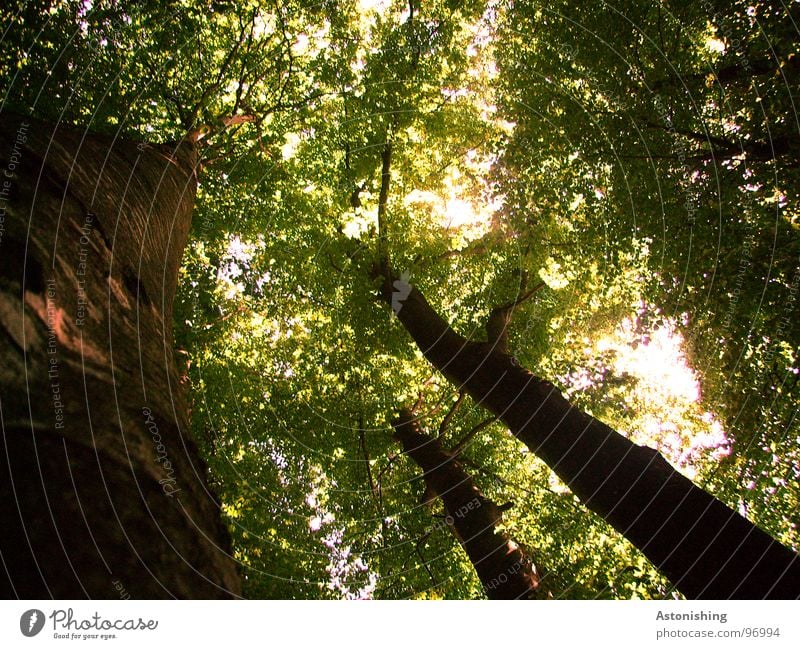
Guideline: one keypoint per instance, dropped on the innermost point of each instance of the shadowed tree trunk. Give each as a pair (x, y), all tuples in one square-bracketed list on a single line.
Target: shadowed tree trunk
[(705, 548), (505, 571), (104, 493)]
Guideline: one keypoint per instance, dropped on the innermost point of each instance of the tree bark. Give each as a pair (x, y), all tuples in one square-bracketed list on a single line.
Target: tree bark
[(505, 571), (705, 548), (104, 492)]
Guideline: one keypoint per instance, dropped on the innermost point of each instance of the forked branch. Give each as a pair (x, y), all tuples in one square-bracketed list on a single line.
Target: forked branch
[(500, 319)]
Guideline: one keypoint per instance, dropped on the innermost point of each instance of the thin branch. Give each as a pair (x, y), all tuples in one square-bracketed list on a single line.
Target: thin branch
[(379, 480), (392, 457), (424, 560), (497, 477), (333, 263), (383, 196), (525, 296), (728, 74), (235, 120), (461, 444), (363, 443), (697, 136), (477, 249), (221, 72), (451, 413), (421, 399), (500, 319)]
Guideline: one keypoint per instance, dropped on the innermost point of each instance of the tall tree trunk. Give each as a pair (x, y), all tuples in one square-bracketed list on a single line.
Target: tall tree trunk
[(104, 493), (705, 548), (505, 571)]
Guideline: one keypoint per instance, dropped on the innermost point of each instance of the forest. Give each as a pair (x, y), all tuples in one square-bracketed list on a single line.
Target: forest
[(400, 299)]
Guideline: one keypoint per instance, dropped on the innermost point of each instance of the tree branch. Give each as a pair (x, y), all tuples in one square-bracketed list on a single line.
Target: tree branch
[(500, 319), (383, 196), (462, 443), (363, 443), (451, 413)]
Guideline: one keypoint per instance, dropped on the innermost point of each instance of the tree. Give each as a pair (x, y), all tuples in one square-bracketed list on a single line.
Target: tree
[(706, 549), (505, 570), (555, 146), (666, 128), (106, 490)]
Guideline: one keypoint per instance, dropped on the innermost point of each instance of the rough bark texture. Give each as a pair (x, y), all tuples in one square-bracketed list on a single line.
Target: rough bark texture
[(706, 549), (103, 490), (505, 571)]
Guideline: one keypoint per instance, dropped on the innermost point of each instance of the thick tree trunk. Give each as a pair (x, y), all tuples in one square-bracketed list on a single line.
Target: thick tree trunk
[(505, 571), (104, 494), (706, 549)]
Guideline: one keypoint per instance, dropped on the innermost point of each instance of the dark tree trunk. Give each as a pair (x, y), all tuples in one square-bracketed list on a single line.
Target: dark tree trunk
[(104, 494), (505, 571), (706, 549)]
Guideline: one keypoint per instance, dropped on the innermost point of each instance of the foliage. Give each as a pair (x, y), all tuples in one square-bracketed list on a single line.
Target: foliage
[(639, 159)]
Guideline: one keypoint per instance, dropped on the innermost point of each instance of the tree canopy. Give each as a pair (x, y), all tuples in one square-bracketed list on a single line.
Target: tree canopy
[(623, 175)]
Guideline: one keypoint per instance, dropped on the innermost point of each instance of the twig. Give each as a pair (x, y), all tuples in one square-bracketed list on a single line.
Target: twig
[(451, 413), (383, 196), (500, 318), (459, 447), (363, 442)]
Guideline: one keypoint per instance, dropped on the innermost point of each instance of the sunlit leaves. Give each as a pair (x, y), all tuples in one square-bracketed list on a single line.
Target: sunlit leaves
[(638, 159), (670, 123)]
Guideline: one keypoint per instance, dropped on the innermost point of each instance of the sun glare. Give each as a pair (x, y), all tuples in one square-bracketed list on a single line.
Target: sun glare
[(459, 214), (378, 6), (657, 359), (664, 401), (455, 214)]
